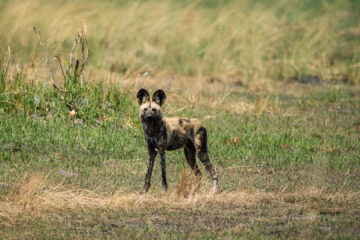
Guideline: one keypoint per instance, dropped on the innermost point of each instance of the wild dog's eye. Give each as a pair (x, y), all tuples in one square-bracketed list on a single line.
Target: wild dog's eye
[(145, 109), (154, 110)]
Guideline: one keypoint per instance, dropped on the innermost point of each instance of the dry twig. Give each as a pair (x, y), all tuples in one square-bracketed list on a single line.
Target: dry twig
[(80, 38), (47, 60), (62, 70), (84, 49), (76, 40), (7, 64), (77, 70), (169, 83)]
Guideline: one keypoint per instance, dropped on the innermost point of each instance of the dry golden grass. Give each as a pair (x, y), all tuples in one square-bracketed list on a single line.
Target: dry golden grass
[(35, 195), (238, 42), (199, 55)]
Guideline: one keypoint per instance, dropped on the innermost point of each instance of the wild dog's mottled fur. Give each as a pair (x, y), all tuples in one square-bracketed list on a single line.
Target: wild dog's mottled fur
[(162, 133)]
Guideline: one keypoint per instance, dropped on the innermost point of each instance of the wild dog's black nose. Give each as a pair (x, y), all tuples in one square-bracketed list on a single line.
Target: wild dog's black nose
[(149, 117)]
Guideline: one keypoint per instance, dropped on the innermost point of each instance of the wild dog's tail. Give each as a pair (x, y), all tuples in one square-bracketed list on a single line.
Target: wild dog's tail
[(201, 146)]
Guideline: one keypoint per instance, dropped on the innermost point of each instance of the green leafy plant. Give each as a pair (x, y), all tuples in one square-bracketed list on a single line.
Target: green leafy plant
[(73, 73)]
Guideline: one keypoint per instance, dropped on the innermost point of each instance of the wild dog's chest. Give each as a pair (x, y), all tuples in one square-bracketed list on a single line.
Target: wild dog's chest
[(155, 135), (156, 142)]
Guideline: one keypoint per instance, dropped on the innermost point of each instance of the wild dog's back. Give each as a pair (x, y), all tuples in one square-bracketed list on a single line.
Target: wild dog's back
[(180, 131)]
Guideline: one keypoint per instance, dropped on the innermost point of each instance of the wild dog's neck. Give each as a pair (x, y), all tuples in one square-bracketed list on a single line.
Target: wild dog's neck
[(154, 127)]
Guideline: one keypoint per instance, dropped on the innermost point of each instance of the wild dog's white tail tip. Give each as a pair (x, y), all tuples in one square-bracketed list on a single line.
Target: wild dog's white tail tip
[(214, 187)]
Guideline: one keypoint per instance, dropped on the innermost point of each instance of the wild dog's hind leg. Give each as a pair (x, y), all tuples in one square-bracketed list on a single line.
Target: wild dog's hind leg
[(190, 154), (163, 170), (152, 155), (202, 153)]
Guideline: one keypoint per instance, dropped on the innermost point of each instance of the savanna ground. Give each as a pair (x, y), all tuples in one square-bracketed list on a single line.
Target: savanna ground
[(276, 83)]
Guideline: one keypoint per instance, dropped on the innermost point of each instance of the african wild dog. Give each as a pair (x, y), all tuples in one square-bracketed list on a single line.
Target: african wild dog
[(162, 133)]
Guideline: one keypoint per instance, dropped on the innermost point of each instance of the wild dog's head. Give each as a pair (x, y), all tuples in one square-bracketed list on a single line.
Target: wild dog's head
[(150, 110)]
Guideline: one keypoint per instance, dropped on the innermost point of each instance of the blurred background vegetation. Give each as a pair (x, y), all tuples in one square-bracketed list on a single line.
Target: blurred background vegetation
[(242, 42)]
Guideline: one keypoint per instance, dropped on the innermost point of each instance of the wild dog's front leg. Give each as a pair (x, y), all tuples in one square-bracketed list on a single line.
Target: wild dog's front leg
[(152, 155), (163, 170)]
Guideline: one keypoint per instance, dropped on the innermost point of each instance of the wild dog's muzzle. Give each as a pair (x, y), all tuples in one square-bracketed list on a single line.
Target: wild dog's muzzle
[(149, 116)]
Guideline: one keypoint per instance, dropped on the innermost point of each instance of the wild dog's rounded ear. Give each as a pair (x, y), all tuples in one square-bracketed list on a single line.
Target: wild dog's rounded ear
[(159, 97), (142, 96)]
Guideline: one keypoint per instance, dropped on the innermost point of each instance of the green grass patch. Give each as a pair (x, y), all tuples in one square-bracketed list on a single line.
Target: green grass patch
[(315, 145)]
